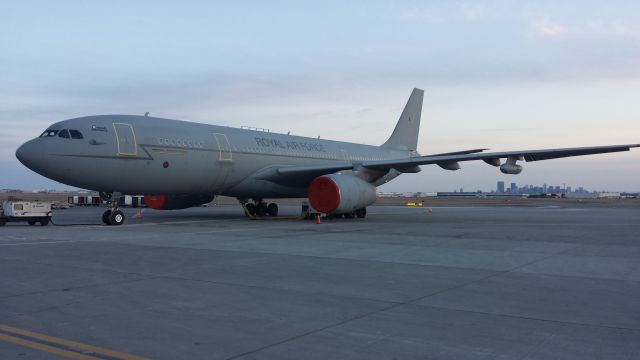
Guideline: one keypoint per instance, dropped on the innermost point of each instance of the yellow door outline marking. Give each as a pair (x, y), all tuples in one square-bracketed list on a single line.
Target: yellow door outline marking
[(135, 142), (345, 155), (225, 153)]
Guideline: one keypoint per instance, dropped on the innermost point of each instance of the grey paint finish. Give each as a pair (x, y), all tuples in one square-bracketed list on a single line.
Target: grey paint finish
[(408, 124), (147, 155), (197, 162), (184, 284)]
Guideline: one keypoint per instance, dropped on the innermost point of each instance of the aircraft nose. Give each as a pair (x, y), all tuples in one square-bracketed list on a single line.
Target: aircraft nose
[(30, 153)]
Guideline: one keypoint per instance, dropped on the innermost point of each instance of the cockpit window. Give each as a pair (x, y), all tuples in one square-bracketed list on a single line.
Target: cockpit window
[(64, 134), (49, 132), (75, 134)]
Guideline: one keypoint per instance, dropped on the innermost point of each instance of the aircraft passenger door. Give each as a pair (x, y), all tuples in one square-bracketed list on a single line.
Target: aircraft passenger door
[(224, 147), (345, 156), (126, 139)]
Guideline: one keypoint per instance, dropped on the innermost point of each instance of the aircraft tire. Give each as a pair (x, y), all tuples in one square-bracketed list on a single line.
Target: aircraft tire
[(31, 222), (44, 222), (349, 215), (116, 218), (261, 209), (251, 209), (272, 209), (361, 213), (106, 216)]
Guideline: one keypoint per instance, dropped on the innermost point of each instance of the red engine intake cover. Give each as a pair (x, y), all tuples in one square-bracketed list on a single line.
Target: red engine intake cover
[(157, 202), (324, 194)]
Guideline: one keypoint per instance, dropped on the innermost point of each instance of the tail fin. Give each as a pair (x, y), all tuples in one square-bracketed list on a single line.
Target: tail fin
[(405, 135)]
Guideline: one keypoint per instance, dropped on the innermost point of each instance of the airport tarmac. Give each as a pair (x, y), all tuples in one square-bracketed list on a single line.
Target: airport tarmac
[(461, 282)]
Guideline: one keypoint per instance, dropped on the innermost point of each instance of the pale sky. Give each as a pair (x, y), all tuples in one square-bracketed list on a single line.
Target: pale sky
[(505, 75)]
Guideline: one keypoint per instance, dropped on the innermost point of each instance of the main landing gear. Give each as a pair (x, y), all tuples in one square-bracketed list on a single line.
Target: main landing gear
[(113, 216), (360, 214), (259, 208)]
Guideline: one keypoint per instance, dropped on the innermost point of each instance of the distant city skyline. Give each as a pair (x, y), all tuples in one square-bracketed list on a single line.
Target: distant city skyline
[(514, 188)]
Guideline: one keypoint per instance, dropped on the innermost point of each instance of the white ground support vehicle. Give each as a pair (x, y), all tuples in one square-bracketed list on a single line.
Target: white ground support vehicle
[(30, 211)]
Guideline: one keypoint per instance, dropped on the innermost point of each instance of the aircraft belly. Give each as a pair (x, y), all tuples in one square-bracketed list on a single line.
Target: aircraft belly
[(264, 189), (140, 176)]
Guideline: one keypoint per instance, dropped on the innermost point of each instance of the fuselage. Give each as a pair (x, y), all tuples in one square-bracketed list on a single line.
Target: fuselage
[(148, 155)]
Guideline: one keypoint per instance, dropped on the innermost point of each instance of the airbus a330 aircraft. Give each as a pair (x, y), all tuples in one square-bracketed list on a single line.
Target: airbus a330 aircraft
[(182, 164)]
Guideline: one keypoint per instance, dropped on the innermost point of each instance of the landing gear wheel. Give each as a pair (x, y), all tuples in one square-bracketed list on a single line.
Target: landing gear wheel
[(349, 215), (261, 209), (251, 209), (31, 222), (361, 213), (105, 217), (44, 222), (116, 218), (272, 209)]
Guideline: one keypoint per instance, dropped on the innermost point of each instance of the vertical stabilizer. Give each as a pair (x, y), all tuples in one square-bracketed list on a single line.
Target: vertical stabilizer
[(405, 135)]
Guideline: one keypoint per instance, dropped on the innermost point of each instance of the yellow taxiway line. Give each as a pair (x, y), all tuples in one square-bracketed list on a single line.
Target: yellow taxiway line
[(86, 352)]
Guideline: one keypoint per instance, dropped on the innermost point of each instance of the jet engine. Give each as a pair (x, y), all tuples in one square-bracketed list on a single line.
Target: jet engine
[(175, 202), (510, 166), (450, 165), (513, 169), (340, 193)]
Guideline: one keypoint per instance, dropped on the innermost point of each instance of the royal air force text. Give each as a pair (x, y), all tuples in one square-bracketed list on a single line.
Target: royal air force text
[(290, 145)]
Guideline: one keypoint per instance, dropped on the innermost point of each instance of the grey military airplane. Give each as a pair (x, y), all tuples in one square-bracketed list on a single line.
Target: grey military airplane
[(181, 164)]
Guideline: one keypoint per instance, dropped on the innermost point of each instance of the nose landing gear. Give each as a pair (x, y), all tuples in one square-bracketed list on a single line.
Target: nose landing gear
[(113, 216)]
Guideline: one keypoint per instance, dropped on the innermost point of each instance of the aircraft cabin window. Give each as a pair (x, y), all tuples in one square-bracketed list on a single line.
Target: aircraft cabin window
[(75, 134), (49, 133), (64, 134)]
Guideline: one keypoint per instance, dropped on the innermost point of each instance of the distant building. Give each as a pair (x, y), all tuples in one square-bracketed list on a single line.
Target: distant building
[(514, 188), (460, 194), (609, 195), (500, 187)]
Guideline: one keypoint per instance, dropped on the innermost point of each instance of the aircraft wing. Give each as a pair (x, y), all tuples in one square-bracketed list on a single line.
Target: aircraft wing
[(302, 174), (460, 152), (527, 155)]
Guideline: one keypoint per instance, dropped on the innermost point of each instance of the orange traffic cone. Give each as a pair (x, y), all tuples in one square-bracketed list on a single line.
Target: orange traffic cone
[(139, 216), (318, 219)]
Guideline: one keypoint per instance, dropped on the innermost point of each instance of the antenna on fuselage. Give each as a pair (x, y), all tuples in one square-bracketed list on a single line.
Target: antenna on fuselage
[(146, 114)]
